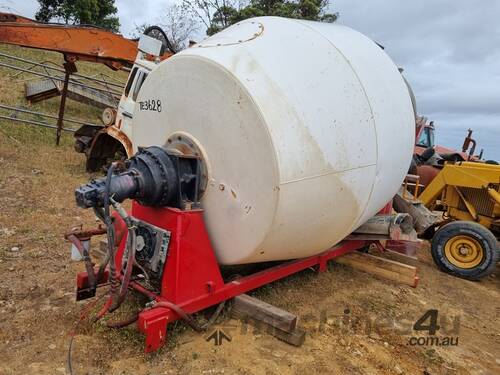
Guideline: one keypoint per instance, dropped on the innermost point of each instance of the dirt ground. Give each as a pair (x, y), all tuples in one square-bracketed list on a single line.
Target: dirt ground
[(355, 323)]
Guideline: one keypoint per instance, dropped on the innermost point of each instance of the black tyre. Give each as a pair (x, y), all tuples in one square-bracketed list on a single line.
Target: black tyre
[(465, 249)]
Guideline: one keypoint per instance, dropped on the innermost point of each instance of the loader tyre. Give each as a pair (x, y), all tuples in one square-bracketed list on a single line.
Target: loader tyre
[(465, 249)]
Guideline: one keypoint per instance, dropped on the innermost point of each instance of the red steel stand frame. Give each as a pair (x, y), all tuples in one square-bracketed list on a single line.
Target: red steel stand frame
[(192, 279)]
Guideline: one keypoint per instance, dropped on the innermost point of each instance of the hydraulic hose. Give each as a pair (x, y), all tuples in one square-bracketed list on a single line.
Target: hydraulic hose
[(110, 256), (132, 244), (188, 318), (99, 212), (130, 251)]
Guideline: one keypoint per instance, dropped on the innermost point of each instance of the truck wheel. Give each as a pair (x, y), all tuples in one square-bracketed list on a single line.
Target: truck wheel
[(465, 249)]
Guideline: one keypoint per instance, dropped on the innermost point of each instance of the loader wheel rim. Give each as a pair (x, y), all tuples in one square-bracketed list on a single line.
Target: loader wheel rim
[(464, 251)]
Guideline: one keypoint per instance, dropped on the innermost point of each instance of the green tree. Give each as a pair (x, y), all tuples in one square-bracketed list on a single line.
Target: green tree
[(219, 14), (100, 13)]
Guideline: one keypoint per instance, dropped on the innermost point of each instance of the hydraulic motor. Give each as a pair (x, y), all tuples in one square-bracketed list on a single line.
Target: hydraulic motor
[(154, 177)]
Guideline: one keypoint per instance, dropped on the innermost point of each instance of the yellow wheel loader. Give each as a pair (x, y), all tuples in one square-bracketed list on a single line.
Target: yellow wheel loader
[(464, 239)]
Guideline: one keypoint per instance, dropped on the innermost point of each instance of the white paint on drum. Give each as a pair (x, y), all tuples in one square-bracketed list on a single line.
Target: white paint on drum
[(308, 130)]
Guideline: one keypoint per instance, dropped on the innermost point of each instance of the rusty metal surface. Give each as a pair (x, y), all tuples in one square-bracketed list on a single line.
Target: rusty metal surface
[(82, 43), (100, 146), (422, 217), (427, 173), (85, 234), (70, 68), (120, 137), (9, 17)]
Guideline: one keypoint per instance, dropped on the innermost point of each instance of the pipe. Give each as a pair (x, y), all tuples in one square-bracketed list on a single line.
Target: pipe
[(188, 318), (179, 311), (111, 245), (139, 288), (42, 124), (70, 68), (47, 115), (58, 79), (123, 323), (103, 310), (61, 70), (131, 246), (130, 265)]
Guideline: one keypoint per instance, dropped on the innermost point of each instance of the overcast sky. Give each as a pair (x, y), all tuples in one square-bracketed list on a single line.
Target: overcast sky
[(449, 49)]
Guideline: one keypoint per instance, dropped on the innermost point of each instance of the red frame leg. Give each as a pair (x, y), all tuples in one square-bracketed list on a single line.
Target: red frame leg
[(153, 324)]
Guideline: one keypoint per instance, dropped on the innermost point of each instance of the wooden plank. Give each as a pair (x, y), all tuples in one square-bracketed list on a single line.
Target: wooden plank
[(262, 311), (381, 267), (296, 337)]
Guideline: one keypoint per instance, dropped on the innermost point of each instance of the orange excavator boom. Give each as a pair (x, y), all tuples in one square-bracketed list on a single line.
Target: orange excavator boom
[(84, 43)]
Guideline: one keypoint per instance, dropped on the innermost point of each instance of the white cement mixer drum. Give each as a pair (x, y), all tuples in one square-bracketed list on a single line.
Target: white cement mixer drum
[(306, 129)]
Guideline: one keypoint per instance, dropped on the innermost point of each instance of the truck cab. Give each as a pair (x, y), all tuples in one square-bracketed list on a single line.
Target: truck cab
[(125, 111), (424, 135), (114, 140)]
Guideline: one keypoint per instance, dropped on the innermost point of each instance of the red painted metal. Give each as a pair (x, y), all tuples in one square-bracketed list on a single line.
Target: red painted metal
[(192, 279), (387, 209)]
